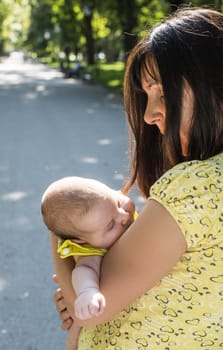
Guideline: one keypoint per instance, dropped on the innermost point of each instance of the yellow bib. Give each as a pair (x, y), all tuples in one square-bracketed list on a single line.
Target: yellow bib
[(68, 248)]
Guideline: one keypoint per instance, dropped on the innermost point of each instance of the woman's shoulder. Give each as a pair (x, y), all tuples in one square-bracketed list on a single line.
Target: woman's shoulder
[(188, 176), (192, 192)]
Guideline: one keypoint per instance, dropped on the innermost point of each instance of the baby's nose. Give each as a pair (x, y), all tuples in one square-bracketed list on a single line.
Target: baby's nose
[(124, 218)]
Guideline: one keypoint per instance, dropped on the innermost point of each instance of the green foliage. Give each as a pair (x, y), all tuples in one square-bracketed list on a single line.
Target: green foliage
[(41, 30), (109, 75), (216, 4), (4, 11), (86, 27), (14, 23), (90, 30)]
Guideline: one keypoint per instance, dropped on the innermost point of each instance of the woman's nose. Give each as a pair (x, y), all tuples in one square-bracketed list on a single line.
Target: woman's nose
[(155, 108), (153, 111), (151, 117)]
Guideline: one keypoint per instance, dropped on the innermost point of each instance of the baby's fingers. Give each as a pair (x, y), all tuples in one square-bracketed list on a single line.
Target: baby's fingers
[(83, 312), (97, 304), (89, 304)]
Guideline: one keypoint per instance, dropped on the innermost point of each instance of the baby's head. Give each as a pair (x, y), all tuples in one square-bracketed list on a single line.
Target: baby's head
[(86, 211)]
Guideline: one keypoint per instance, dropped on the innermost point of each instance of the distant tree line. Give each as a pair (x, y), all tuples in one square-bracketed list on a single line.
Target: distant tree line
[(88, 29)]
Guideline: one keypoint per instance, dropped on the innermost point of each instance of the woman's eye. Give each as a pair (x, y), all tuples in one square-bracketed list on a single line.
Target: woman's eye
[(150, 85)]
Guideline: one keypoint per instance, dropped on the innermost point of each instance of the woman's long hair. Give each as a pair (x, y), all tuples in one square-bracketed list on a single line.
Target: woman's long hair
[(187, 46)]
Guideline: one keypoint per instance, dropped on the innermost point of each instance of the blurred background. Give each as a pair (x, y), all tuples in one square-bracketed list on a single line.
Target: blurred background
[(61, 81), (82, 36)]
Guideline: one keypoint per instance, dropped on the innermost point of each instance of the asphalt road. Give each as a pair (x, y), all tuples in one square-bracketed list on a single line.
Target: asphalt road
[(50, 127)]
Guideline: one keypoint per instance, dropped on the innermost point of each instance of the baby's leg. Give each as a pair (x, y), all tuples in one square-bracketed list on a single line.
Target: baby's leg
[(72, 337)]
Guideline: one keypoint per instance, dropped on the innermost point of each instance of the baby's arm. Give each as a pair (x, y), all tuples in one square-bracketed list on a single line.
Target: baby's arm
[(85, 279)]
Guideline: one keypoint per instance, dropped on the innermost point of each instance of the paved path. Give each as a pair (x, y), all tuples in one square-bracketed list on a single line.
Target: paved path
[(50, 128)]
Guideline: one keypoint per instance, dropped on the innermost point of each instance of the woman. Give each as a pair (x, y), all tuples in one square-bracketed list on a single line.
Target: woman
[(163, 278)]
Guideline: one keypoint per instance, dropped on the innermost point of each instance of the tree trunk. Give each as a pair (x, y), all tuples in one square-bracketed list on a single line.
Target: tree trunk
[(89, 37), (219, 5), (174, 4), (128, 9)]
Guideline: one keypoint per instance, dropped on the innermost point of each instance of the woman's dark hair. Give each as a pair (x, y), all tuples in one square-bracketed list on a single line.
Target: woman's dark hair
[(186, 46)]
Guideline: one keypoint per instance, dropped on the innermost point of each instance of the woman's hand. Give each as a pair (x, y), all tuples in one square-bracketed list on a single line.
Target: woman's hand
[(64, 315)]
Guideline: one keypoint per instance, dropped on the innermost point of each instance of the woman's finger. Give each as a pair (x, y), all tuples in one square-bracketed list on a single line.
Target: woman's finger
[(59, 300), (60, 305), (55, 278), (66, 324), (64, 315), (57, 295)]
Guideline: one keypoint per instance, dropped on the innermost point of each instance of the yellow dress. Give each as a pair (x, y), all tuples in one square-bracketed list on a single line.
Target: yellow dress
[(185, 309)]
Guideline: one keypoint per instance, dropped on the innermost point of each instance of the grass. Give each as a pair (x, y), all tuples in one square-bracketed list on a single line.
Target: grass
[(109, 75)]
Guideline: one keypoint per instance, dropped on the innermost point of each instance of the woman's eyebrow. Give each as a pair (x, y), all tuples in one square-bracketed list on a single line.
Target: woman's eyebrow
[(150, 82), (147, 83)]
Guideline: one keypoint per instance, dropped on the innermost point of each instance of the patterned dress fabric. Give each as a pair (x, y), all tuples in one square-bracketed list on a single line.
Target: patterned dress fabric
[(185, 309)]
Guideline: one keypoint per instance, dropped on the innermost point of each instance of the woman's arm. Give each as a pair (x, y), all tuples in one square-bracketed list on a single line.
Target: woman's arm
[(63, 269), (144, 254), (139, 259)]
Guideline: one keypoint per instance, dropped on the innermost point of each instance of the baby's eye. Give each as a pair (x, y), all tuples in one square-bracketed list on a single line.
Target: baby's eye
[(111, 225), (78, 240)]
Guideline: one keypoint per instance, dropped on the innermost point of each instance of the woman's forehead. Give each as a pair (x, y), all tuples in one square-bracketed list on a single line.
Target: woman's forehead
[(150, 71)]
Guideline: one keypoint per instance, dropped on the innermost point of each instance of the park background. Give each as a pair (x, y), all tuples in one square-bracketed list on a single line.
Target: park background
[(55, 124), (97, 33)]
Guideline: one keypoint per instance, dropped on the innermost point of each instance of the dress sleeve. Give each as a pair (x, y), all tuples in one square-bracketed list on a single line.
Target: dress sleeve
[(193, 196)]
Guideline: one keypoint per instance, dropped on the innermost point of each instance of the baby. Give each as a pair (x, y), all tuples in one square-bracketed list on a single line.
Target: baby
[(88, 217)]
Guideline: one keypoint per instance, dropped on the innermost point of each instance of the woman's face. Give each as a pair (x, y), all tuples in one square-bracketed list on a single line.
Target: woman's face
[(155, 113)]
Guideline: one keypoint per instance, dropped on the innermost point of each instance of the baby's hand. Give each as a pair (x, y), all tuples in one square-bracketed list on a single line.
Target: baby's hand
[(89, 303)]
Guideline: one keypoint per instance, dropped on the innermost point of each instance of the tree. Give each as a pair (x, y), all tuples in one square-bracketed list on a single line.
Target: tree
[(174, 4), (129, 21), (88, 10), (41, 26), (3, 15), (66, 24), (14, 22)]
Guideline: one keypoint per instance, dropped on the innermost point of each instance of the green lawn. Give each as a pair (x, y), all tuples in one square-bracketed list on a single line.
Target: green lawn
[(110, 75)]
